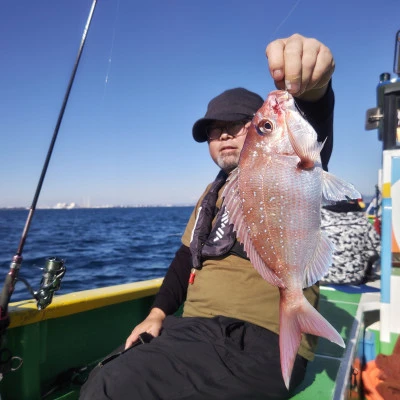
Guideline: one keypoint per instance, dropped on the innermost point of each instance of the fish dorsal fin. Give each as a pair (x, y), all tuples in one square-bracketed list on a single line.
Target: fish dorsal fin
[(233, 206), (336, 189), (303, 139), (320, 262)]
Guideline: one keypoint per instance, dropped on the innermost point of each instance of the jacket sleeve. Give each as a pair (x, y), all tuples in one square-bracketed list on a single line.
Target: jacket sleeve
[(320, 115), (173, 290)]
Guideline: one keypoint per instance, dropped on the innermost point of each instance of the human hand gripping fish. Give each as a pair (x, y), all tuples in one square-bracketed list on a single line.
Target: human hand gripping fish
[(274, 199)]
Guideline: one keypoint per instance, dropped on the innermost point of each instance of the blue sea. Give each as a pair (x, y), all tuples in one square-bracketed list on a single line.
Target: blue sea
[(100, 247)]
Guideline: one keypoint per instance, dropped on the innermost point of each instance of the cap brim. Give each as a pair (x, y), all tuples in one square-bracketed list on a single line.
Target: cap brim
[(199, 129)]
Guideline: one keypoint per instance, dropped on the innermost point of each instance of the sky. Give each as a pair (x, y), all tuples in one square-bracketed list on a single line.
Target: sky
[(147, 72)]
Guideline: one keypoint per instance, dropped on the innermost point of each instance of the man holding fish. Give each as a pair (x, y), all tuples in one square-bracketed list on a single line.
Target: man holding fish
[(252, 251)]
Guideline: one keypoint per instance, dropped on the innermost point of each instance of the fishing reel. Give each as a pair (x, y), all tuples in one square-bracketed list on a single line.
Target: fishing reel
[(53, 272)]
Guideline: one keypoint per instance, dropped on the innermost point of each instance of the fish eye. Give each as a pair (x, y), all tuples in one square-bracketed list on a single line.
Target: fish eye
[(264, 127)]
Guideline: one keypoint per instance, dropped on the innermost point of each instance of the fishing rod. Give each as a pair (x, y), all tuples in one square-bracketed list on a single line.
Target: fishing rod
[(54, 269)]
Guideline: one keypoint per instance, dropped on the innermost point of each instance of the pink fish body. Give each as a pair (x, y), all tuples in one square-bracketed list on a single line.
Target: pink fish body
[(274, 199)]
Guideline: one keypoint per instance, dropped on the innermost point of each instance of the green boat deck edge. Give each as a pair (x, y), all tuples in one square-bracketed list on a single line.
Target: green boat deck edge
[(368, 302), (25, 312), (70, 333)]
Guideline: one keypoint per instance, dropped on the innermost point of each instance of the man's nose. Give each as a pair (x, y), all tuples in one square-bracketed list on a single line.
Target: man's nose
[(225, 135)]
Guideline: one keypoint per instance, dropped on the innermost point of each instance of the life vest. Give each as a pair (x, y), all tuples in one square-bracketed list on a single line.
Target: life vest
[(213, 241)]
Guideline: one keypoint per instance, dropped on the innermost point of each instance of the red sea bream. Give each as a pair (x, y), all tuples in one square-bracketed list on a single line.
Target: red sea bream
[(274, 199)]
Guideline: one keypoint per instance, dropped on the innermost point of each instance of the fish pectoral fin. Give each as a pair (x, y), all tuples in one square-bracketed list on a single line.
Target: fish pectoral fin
[(303, 139), (336, 189), (321, 261)]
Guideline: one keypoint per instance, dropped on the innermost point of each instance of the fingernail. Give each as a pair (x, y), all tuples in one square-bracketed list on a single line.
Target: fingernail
[(277, 74), (292, 87)]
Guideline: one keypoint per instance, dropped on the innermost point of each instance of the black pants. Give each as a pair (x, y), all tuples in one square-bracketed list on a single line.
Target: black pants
[(197, 358)]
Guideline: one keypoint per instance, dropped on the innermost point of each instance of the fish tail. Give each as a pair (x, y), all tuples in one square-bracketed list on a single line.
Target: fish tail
[(297, 320), (289, 341)]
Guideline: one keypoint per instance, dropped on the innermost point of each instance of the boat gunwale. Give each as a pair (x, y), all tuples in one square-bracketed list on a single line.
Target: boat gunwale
[(25, 312)]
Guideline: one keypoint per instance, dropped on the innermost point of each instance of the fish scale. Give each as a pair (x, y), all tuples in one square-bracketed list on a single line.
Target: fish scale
[(282, 213)]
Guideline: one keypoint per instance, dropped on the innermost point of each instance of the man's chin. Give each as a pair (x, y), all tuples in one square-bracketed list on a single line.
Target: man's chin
[(228, 163)]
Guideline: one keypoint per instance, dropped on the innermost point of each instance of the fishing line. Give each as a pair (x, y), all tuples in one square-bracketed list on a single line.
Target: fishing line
[(285, 19), (111, 51)]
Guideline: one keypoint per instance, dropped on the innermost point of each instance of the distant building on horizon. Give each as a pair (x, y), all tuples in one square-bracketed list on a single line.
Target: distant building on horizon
[(66, 206)]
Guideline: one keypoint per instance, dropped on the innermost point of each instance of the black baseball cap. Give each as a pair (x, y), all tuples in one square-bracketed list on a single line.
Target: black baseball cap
[(232, 105)]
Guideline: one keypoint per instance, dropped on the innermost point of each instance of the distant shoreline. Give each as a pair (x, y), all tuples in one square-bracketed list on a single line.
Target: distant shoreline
[(100, 207)]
